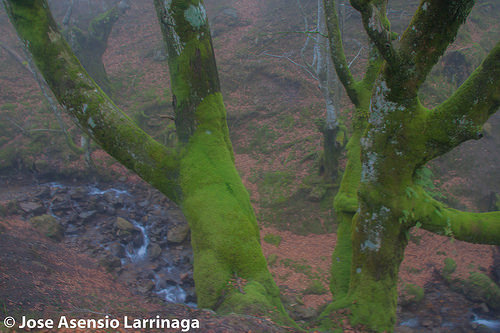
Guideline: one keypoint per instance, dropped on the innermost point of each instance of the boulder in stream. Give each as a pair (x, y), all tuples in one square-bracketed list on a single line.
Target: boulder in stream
[(49, 226)]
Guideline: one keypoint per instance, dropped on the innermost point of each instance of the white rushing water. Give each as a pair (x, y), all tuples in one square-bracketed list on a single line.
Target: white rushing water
[(174, 294), (140, 253), (491, 324), (93, 190)]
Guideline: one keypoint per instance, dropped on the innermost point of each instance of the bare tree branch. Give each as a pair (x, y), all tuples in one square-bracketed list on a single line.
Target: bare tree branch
[(293, 62), (45, 92)]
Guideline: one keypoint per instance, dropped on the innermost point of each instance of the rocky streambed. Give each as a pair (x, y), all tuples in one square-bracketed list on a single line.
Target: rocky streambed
[(133, 231)]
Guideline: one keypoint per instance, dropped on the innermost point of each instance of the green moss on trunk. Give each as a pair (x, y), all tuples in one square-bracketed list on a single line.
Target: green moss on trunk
[(230, 270)]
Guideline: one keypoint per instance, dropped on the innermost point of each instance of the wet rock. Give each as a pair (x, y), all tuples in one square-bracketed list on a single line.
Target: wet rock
[(124, 225), (176, 217), (110, 211), (187, 279), (110, 263), (178, 233), (127, 232), (166, 279), (78, 193), (49, 226), (154, 251), (143, 204), (145, 286), (101, 207), (113, 199), (86, 216), (43, 193), (60, 203), (72, 230), (190, 296), (91, 204), (138, 239), (117, 250), (32, 208), (158, 231)]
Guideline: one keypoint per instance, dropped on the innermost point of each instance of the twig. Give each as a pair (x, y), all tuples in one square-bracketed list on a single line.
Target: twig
[(45, 130), (356, 57), (293, 62), (17, 125), (315, 32)]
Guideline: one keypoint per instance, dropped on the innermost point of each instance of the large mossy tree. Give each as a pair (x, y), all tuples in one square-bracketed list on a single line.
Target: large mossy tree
[(394, 135), (379, 200), (230, 270)]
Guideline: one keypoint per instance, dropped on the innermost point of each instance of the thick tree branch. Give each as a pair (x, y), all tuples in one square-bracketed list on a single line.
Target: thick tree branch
[(461, 116), (101, 26), (337, 52), (373, 67), (378, 28), (93, 111), (191, 60), (480, 228), (433, 27)]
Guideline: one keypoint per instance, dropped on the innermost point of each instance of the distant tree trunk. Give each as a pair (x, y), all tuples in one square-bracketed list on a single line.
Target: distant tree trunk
[(332, 129), (89, 46), (230, 270)]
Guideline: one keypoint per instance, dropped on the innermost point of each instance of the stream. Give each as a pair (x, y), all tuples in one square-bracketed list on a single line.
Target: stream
[(133, 232)]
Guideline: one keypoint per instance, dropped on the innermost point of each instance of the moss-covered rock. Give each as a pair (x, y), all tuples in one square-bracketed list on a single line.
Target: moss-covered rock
[(124, 225), (478, 287), (110, 263), (411, 294), (178, 233), (449, 267), (49, 226)]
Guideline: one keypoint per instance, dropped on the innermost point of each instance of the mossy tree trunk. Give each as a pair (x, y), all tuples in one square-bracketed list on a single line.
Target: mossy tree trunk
[(230, 270), (394, 135)]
